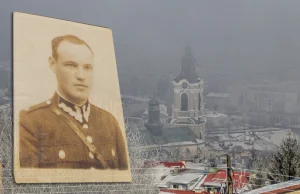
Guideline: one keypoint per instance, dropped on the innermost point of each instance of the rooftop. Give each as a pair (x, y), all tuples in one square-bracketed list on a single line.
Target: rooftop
[(185, 178), (171, 136), (292, 186)]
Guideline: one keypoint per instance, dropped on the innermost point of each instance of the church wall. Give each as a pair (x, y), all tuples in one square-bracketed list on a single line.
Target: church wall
[(177, 100), (199, 131)]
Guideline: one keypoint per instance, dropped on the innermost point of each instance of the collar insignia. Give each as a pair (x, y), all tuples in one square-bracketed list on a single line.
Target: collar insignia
[(80, 113)]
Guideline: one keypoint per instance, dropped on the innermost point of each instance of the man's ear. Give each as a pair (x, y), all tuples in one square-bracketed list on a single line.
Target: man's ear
[(52, 64)]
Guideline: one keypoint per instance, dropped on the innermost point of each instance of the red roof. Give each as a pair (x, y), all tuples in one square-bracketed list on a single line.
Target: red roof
[(239, 178)]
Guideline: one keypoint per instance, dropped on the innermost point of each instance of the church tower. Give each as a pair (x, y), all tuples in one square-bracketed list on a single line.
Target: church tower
[(154, 124), (188, 108)]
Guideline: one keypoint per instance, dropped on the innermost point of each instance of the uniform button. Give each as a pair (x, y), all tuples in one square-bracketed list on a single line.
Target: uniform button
[(91, 155), (113, 152), (85, 126), (90, 139), (48, 102), (61, 154)]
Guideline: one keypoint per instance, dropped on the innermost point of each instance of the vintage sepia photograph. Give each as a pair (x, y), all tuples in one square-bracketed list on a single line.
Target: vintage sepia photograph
[(68, 117)]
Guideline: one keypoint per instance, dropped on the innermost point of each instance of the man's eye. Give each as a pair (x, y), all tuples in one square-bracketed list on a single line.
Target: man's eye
[(70, 65), (89, 68)]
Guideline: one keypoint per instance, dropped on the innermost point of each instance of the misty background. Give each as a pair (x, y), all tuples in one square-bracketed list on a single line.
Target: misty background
[(243, 41)]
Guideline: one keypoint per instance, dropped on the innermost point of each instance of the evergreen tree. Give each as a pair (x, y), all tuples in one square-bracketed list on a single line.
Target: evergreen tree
[(285, 162)]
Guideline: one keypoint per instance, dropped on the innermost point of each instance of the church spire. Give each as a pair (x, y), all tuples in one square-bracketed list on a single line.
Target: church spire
[(153, 100), (188, 70)]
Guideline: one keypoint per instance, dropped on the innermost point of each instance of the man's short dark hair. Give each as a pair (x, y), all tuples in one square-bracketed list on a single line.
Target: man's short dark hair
[(70, 38)]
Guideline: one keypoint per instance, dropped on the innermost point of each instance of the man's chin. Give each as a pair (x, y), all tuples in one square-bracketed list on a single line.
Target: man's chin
[(79, 98)]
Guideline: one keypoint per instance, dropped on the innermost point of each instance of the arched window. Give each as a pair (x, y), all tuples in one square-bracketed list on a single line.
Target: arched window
[(184, 102)]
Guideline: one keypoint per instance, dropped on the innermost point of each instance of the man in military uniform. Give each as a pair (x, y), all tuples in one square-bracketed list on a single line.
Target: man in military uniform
[(67, 131)]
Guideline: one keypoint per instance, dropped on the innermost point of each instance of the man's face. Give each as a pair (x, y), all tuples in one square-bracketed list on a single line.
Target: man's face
[(74, 71)]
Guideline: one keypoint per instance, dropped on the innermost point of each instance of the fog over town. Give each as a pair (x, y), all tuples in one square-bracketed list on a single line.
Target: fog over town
[(200, 81)]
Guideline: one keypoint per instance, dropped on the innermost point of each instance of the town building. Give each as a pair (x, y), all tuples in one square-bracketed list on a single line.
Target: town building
[(217, 101), (198, 178), (268, 103)]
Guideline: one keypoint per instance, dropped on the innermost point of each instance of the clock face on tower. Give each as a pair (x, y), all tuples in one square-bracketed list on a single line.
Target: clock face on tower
[(184, 85)]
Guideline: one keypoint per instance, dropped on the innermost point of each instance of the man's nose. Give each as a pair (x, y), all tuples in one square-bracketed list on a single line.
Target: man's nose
[(80, 74)]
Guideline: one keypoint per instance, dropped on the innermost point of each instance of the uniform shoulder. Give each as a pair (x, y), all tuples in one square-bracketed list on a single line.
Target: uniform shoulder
[(36, 107), (102, 112)]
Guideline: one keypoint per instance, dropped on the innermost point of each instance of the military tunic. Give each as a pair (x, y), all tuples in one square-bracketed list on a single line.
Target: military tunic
[(48, 138)]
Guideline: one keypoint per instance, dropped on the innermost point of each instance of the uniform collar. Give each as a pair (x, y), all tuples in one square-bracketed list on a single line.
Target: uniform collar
[(80, 113)]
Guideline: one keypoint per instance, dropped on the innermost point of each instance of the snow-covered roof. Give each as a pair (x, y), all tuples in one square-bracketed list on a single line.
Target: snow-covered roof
[(183, 143), (143, 99), (201, 179), (227, 138), (270, 188), (199, 140), (193, 171), (215, 115), (258, 145), (196, 166), (185, 178), (165, 181)]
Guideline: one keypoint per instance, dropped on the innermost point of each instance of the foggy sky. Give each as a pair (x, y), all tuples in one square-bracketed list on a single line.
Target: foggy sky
[(154, 33)]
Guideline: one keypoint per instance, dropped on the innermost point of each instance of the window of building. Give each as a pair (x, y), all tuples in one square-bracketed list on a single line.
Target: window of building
[(184, 102), (199, 101)]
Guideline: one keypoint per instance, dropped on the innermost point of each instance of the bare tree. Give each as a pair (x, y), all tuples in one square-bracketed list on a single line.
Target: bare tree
[(173, 153), (254, 157), (259, 179), (143, 178), (212, 162)]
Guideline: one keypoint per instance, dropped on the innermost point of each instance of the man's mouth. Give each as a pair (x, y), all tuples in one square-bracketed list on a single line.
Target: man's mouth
[(81, 85)]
